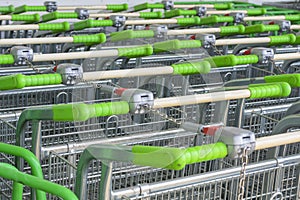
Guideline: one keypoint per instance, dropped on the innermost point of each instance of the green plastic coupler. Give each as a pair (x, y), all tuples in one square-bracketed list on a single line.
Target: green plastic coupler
[(20, 179), (84, 39)]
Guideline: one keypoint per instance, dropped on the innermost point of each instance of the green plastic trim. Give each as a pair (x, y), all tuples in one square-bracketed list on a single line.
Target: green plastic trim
[(7, 59), (282, 39), (176, 158), (256, 11), (268, 90), (188, 21), (7, 9), (146, 6), (8, 171), (151, 15), (117, 7), (292, 17), (292, 79), (223, 6), (259, 28), (30, 158), (216, 19), (25, 8), (179, 12), (54, 27), (189, 68), (90, 39), (232, 30), (133, 52), (19, 81), (297, 41), (130, 34), (82, 112), (59, 15), (90, 23), (172, 45), (232, 60), (26, 18)]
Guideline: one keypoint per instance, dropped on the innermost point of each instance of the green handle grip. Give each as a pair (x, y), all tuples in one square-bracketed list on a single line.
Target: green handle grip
[(7, 9), (59, 15), (176, 158), (90, 23), (282, 39), (151, 15), (82, 112), (232, 30), (223, 6), (189, 68), (259, 28), (256, 11), (117, 7), (146, 6), (130, 34), (26, 18), (292, 79), (176, 13), (25, 8), (268, 90), (6, 59), (232, 60), (216, 19), (297, 41), (188, 21), (292, 17), (90, 39), (55, 27), (19, 81), (134, 52), (171, 45)]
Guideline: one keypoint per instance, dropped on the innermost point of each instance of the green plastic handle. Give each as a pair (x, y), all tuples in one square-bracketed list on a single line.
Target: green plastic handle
[(82, 112), (146, 6), (25, 8), (7, 59), (223, 6), (117, 7), (292, 79), (179, 12), (7, 9), (176, 158), (151, 15), (19, 81), (59, 15), (232, 30), (297, 41), (188, 21), (292, 17), (216, 19), (259, 28), (90, 23), (268, 90), (232, 60), (189, 68), (90, 39), (26, 18), (130, 34), (55, 27), (134, 52), (256, 11), (172, 45), (282, 39)]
